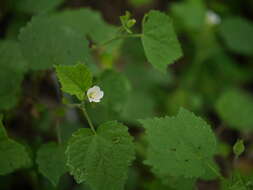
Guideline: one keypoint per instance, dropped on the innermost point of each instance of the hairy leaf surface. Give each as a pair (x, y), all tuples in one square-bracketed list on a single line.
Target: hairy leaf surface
[(179, 146), (101, 160)]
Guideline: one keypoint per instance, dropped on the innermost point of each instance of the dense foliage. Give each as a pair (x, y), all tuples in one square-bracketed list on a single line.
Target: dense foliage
[(161, 101)]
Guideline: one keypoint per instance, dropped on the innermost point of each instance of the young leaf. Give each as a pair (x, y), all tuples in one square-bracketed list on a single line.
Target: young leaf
[(126, 22), (159, 40), (235, 107), (237, 34), (238, 147), (45, 43), (102, 159), (75, 79), (179, 146), (12, 154), (52, 162)]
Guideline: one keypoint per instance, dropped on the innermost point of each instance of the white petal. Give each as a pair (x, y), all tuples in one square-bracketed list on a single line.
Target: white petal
[(100, 94), (96, 100)]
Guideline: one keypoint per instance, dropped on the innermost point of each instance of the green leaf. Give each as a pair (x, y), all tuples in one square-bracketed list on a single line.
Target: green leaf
[(13, 67), (159, 40), (126, 22), (94, 26), (237, 34), (116, 89), (51, 161), (235, 107), (238, 147), (12, 154), (45, 43), (75, 79), (102, 159), (179, 146)]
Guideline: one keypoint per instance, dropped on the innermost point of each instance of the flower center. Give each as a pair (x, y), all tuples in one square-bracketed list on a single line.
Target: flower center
[(93, 95)]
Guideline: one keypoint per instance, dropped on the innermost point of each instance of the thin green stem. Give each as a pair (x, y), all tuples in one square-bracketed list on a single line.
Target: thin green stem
[(88, 119), (117, 38)]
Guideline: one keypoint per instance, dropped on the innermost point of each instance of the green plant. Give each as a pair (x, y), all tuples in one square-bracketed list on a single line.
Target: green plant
[(78, 52)]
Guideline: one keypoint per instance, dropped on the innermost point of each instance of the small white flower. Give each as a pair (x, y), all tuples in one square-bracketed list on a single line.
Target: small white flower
[(212, 18), (95, 94)]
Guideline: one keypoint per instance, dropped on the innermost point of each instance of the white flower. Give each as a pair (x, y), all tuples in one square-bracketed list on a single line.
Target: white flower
[(212, 18), (95, 94)]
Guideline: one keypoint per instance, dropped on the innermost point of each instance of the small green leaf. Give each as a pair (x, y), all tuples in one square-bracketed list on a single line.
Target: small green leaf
[(237, 34), (235, 107), (12, 154), (75, 79), (159, 40), (101, 160), (238, 147), (51, 161), (126, 22), (46, 42), (179, 146)]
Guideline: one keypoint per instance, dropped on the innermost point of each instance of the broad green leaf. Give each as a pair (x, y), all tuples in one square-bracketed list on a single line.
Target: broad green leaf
[(12, 154), (101, 160), (87, 22), (179, 146), (75, 79), (13, 67), (45, 42), (38, 6), (237, 34), (116, 89), (51, 161), (235, 107), (159, 40)]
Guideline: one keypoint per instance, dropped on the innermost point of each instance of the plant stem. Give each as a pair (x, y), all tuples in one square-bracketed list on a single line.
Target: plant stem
[(88, 119), (117, 38)]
